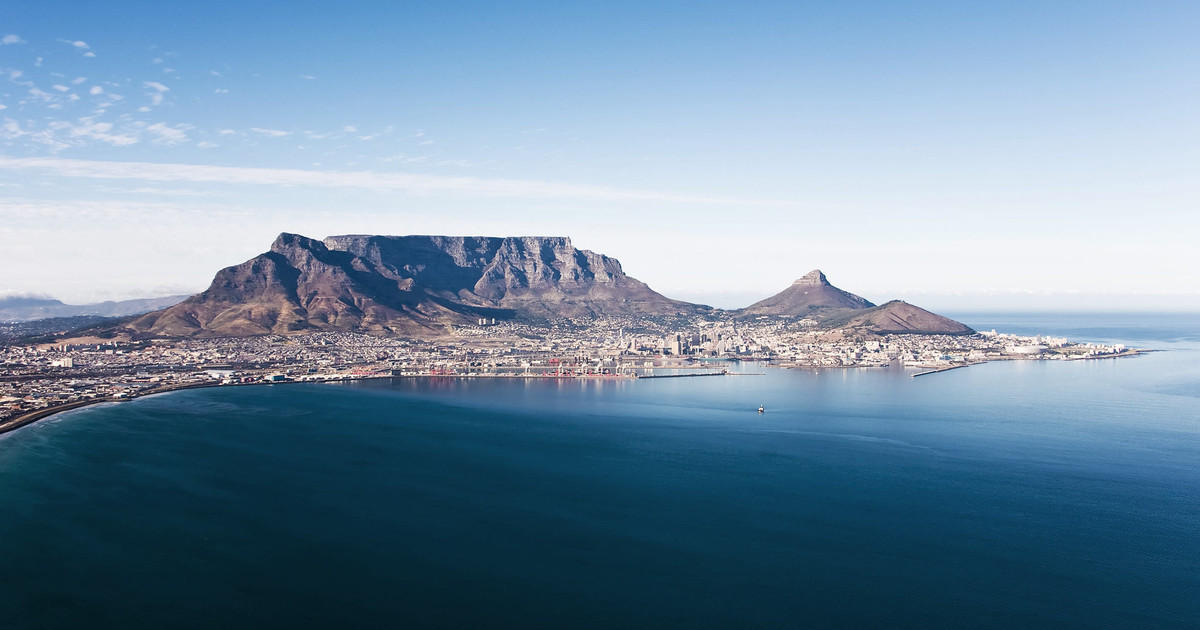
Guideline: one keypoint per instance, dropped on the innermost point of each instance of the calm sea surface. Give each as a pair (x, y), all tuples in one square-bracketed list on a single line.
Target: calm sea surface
[(1018, 494)]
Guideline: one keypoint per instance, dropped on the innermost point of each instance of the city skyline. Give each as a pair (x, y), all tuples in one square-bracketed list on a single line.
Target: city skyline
[(955, 157)]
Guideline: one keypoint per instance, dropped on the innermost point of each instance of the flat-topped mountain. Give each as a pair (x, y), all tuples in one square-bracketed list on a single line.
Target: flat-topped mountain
[(811, 292), (411, 285)]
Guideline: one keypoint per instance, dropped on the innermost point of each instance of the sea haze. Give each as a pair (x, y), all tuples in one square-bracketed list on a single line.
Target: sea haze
[(1010, 494)]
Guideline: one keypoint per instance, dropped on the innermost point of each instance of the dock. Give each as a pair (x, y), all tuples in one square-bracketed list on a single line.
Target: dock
[(940, 369), (721, 373)]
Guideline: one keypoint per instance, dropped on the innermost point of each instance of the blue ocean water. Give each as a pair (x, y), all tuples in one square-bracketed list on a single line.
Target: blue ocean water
[(1015, 494)]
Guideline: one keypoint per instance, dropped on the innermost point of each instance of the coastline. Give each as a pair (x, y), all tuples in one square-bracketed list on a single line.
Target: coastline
[(41, 414), (33, 417)]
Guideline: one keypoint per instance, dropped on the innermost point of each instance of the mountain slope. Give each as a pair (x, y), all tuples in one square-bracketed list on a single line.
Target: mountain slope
[(895, 317), (811, 292)]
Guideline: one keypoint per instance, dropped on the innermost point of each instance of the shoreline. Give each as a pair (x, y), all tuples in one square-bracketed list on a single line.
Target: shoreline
[(38, 415)]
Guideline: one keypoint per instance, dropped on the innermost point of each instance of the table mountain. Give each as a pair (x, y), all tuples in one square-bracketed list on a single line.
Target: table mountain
[(410, 285)]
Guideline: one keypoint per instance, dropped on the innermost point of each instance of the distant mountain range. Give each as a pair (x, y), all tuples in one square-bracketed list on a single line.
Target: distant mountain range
[(421, 285), (23, 309)]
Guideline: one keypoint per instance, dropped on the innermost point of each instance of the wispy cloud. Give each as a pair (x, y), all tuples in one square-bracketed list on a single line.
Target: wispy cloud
[(270, 133), (155, 91), (165, 134), (412, 183), (102, 131), (10, 39)]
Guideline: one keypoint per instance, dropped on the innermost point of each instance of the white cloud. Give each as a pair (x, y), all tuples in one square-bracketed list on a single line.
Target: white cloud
[(78, 80), (364, 180), (96, 90), (15, 74), (80, 44), (102, 131), (165, 134), (205, 144), (307, 77), (11, 39), (11, 130), (43, 96), (89, 54), (227, 132), (221, 91), (349, 129), (156, 93), (61, 88), (270, 133)]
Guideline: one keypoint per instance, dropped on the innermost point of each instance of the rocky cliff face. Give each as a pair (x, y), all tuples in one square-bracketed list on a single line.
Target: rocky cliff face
[(410, 285), (535, 276), (812, 292)]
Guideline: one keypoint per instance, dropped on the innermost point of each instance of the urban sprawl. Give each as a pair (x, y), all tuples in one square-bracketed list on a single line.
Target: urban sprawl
[(36, 380)]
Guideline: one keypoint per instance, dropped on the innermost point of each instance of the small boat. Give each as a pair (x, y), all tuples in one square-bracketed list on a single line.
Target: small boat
[(761, 409)]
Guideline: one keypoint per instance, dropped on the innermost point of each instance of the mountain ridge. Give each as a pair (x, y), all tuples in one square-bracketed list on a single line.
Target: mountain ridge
[(23, 308), (423, 285)]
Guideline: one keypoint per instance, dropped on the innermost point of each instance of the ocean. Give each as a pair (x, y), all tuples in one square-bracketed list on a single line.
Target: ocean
[(1010, 494)]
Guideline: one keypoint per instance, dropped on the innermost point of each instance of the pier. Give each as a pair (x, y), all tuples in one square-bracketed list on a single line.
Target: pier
[(721, 373)]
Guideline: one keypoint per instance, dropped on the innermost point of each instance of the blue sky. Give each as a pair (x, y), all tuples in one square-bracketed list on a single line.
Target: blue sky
[(948, 153)]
